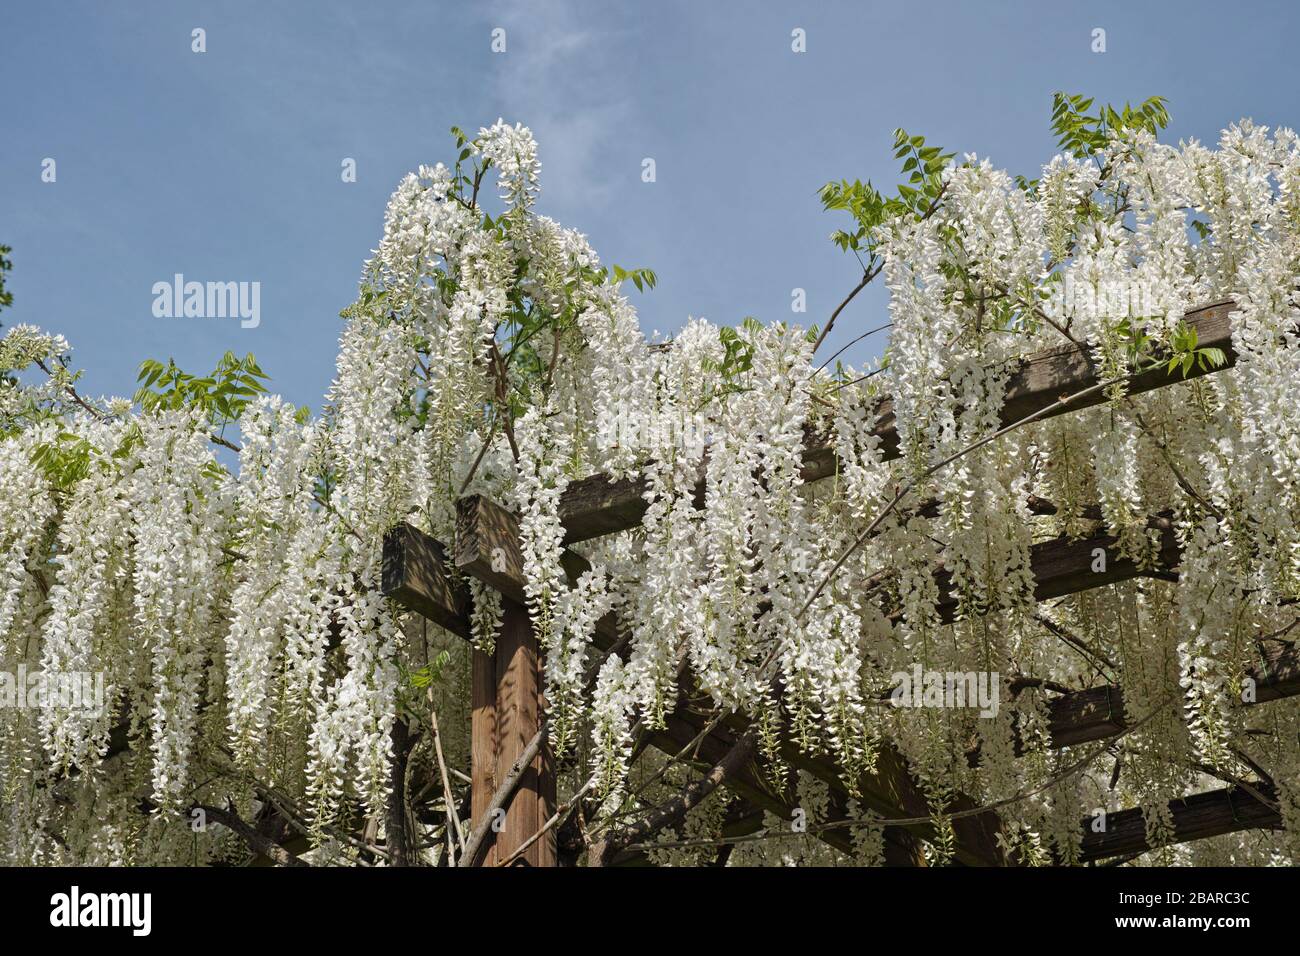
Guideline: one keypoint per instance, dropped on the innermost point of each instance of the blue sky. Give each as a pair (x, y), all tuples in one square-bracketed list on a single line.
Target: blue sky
[(225, 165)]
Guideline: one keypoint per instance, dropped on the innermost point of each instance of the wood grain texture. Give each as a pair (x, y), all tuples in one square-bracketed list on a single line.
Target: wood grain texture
[(415, 574), (518, 714), (487, 536), (1196, 817), (507, 708), (483, 744)]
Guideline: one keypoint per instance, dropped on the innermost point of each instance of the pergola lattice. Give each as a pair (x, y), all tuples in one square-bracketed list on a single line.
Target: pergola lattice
[(427, 577)]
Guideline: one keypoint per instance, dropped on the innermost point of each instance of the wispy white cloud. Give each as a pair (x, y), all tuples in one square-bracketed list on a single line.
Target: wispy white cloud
[(556, 77)]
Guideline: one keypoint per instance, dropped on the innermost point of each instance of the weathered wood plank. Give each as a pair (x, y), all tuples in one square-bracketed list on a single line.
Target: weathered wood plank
[(518, 714), (1086, 715), (1277, 674), (487, 548), (507, 708), (483, 745), (415, 574), (1063, 566), (1098, 712), (1196, 817), (596, 506)]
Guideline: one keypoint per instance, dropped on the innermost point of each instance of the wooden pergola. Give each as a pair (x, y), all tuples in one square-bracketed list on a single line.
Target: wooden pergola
[(507, 691)]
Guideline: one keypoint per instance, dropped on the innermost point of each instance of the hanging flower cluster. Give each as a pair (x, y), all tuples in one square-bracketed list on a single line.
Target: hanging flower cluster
[(233, 604)]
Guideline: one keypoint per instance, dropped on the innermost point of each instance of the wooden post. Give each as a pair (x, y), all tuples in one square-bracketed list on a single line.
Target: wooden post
[(483, 744), (507, 712)]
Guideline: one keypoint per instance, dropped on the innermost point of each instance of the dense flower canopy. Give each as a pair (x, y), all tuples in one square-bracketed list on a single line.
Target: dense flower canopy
[(235, 611)]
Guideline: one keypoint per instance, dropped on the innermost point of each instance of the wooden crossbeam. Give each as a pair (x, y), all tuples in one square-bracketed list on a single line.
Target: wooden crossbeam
[(1098, 712), (1063, 566), (1196, 817), (415, 575), (596, 506)]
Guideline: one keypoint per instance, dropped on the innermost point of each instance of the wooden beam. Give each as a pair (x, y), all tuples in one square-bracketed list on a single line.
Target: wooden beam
[(596, 506), (507, 710), (1064, 566), (519, 709), (1098, 712), (415, 574), (487, 548), (1196, 817), (483, 745)]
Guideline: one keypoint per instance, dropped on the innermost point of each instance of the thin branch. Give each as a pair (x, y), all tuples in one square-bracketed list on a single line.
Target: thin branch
[(1074, 640), (256, 842), (1182, 481), (72, 392), (867, 334), (504, 792), (561, 811), (813, 829), (446, 781), (473, 469), (867, 276), (675, 810), (503, 396)]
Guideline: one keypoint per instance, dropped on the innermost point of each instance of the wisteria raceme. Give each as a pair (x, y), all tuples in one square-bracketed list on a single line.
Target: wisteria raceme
[(178, 514), (250, 658), (90, 591), (273, 501), (20, 529), (545, 451)]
